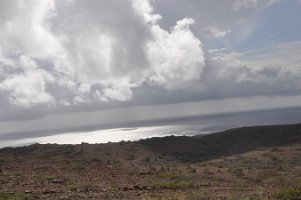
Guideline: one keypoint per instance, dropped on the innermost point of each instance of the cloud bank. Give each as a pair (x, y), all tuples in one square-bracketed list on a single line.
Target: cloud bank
[(60, 54), (96, 50)]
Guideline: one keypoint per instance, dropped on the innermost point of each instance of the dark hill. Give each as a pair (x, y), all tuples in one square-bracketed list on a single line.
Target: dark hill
[(226, 143), (192, 149)]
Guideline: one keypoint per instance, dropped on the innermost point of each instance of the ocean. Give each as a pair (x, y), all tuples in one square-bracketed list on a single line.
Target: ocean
[(188, 126)]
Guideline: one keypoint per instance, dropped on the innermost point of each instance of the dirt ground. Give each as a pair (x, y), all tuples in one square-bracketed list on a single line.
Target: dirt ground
[(129, 170)]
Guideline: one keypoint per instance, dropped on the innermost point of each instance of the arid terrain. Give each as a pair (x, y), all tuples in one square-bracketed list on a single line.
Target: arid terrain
[(244, 163)]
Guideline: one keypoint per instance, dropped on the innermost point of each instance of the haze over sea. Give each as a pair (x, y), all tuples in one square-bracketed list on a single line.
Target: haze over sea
[(188, 126)]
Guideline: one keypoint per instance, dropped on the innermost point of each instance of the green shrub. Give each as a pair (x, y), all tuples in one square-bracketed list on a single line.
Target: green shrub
[(13, 196), (86, 187), (147, 159), (239, 172), (170, 176), (175, 185), (289, 194)]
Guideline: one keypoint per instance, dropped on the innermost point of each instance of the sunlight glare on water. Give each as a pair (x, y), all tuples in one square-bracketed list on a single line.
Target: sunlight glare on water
[(109, 135)]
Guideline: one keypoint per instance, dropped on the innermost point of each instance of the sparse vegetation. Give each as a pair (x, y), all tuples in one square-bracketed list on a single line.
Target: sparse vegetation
[(85, 187), (14, 196), (289, 194), (175, 185), (170, 176), (157, 169), (239, 172)]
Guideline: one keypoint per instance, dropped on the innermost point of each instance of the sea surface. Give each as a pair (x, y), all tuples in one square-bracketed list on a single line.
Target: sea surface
[(188, 126)]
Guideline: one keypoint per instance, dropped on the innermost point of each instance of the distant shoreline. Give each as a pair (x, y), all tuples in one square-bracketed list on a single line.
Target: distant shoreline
[(197, 136)]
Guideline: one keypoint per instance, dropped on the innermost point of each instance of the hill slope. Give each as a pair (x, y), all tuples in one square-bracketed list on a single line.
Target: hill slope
[(229, 142), (244, 163)]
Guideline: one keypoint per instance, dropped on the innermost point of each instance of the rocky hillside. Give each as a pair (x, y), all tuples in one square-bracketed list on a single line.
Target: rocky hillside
[(261, 162), (226, 143)]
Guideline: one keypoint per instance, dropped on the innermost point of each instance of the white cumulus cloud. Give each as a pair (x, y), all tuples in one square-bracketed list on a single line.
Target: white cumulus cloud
[(176, 56), (27, 89), (70, 54), (96, 51)]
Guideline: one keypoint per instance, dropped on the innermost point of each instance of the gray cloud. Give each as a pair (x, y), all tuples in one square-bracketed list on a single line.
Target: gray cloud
[(66, 53), (70, 56)]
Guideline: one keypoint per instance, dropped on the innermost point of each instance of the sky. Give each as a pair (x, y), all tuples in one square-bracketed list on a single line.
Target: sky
[(70, 63)]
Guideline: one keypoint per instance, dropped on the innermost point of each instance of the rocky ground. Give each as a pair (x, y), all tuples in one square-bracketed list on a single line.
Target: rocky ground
[(249, 164)]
